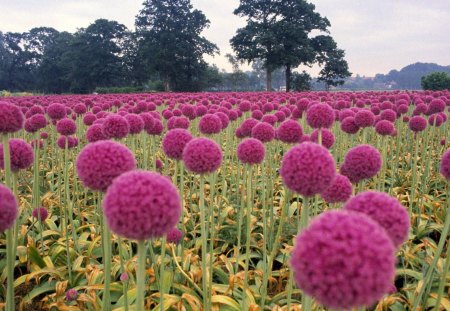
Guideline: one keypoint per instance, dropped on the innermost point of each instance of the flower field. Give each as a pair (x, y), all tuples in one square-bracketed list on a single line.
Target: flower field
[(225, 201)]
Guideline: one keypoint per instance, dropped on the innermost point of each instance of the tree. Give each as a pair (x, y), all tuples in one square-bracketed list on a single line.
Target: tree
[(237, 77), (436, 81), (301, 81), (278, 32), (335, 70), (170, 42)]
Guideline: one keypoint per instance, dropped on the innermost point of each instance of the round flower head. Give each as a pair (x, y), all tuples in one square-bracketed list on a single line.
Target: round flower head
[(417, 124), (21, 155), (445, 165), (389, 115), (124, 277), (95, 133), (210, 124), (71, 294), (66, 127), (72, 142), (149, 121), (189, 111), (264, 132), (384, 127), (245, 106), (202, 156), (35, 122), (115, 126), (224, 120), (361, 162), (435, 120), (178, 122), (257, 114), (251, 151), (290, 131), (340, 190), (385, 210), (435, 106), (364, 118), (269, 118), (247, 126), (175, 235), (349, 126), (80, 109), (56, 111), (344, 260), (140, 205), (174, 142), (100, 162), (159, 165), (308, 169), (8, 208), (327, 137), (156, 129), (11, 118), (42, 211), (320, 115), (135, 123)]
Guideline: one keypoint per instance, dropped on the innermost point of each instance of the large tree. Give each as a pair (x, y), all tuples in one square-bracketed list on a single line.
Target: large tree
[(335, 69), (279, 33), (171, 43)]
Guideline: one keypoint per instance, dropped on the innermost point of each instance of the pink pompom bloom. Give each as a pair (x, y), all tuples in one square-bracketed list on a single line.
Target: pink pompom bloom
[(140, 205), (210, 124), (340, 190), (72, 142), (247, 126), (174, 142), (8, 208), (11, 118), (251, 151), (66, 127), (445, 165), (264, 132), (308, 169), (115, 126), (202, 156), (320, 116), (327, 137), (21, 155), (384, 128), (95, 133), (56, 111), (100, 162), (135, 123), (364, 118), (417, 124), (71, 294), (361, 162), (349, 126), (344, 260), (40, 212), (290, 131), (385, 210), (175, 235)]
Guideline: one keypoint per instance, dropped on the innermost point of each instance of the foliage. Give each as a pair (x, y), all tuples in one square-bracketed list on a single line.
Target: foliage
[(301, 81), (335, 70), (436, 81)]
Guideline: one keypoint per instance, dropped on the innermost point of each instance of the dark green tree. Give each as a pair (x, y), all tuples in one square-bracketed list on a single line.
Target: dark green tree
[(301, 81), (436, 81), (335, 69), (171, 44)]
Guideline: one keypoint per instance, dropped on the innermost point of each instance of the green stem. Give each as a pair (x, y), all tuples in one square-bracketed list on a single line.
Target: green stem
[(107, 266), (248, 235), (414, 176), (204, 241), (122, 269), (161, 273), (141, 277)]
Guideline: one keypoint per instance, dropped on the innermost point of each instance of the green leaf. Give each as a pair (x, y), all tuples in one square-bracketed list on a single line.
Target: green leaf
[(36, 258)]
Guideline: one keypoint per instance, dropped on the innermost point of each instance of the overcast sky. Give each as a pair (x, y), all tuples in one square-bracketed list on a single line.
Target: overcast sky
[(377, 35)]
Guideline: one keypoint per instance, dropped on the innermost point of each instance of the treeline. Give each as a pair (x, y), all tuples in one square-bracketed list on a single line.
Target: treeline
[(165, 52)]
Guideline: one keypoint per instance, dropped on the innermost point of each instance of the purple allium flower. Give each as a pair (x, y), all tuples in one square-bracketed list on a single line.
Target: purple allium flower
[(36, 122), (11, 118), (210, 124), (95, 133), (40, 210), (385, 210), (364, 118), (389, 115), (72, 142), (66, 127), (174, 142), (361, 162), (327, 137), (435, 106), (71, 294), (257, 114), (344, 260), (402, 109), (202, 156), (308, 169), (44, 135), (264, 132), (115, 126), (175, 235), (384, 127), (178, 122), (290, 131), (320, 116), (302, 104), (167, 114), (345, 114), (269, 118), (80, 109), (435, 120), (156, 129), (37, 143), (417, 124), (280, 116), (149, 121), (245, 106), (56, 111), (305, 138), (189, 111), (140, 205), (445, 165), (100, 162), (386, 105), (224, 120), (159, 165), (135, 122), (251, 151), (21, 155), (247, 126), (8, 208), (124, 277), (442, 142), (349, 126), (340, 190)]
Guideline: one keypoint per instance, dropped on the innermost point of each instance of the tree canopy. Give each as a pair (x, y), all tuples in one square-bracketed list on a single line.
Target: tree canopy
[(436, 81)]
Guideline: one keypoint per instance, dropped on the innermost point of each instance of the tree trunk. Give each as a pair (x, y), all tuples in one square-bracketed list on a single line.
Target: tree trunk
[(268, 79), (288, 78)]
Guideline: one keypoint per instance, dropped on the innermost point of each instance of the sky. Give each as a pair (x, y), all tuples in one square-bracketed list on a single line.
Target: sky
[(377, 35)]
